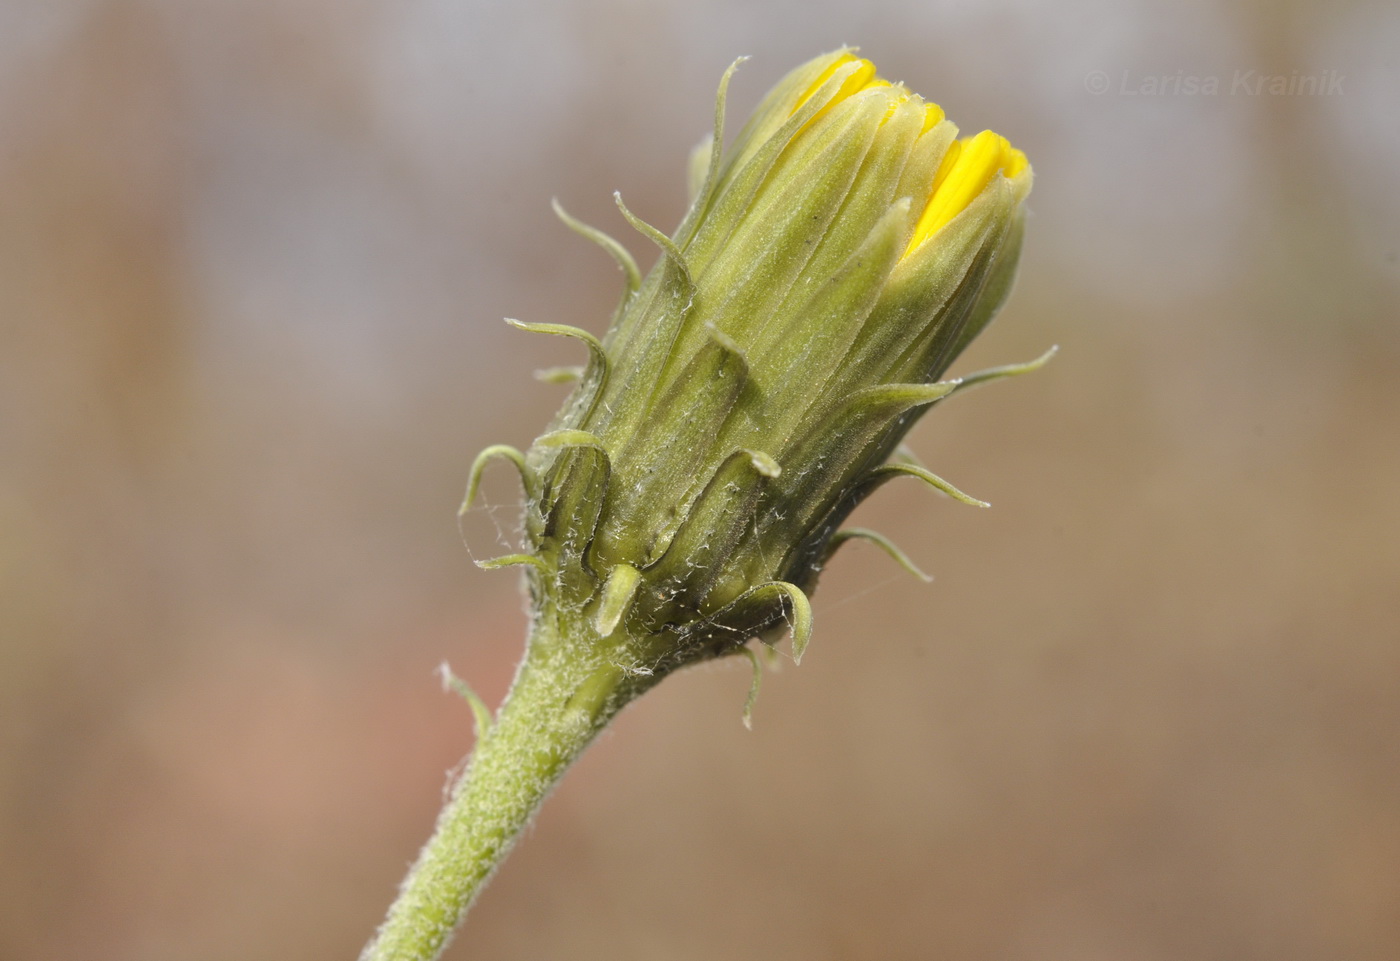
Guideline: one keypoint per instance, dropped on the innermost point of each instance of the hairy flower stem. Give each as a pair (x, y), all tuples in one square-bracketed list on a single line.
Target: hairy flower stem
[(564, 693)]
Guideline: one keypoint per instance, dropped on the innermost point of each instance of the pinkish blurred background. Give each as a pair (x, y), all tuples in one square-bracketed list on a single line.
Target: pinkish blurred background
[(253, 260)]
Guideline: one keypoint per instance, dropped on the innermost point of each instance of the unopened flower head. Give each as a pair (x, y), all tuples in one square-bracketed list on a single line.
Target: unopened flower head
[(750, 392), (752, 389)]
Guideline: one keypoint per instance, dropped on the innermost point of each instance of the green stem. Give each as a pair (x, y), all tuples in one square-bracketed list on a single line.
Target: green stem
[(562, 696)]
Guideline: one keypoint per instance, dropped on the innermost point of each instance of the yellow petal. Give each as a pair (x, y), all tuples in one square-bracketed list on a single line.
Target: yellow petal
[(967, 168)]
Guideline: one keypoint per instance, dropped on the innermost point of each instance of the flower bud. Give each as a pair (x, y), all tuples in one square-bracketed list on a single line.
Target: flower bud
[(837, 256)]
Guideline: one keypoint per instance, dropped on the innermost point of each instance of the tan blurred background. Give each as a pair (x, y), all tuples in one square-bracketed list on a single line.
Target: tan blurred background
[(253, 260)]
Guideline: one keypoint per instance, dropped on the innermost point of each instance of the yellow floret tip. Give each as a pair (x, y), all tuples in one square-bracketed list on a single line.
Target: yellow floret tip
[(933, 116), (863, 77), (967, 168)]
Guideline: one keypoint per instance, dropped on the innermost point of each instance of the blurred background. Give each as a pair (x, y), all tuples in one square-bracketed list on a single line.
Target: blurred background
[(253, 263)]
